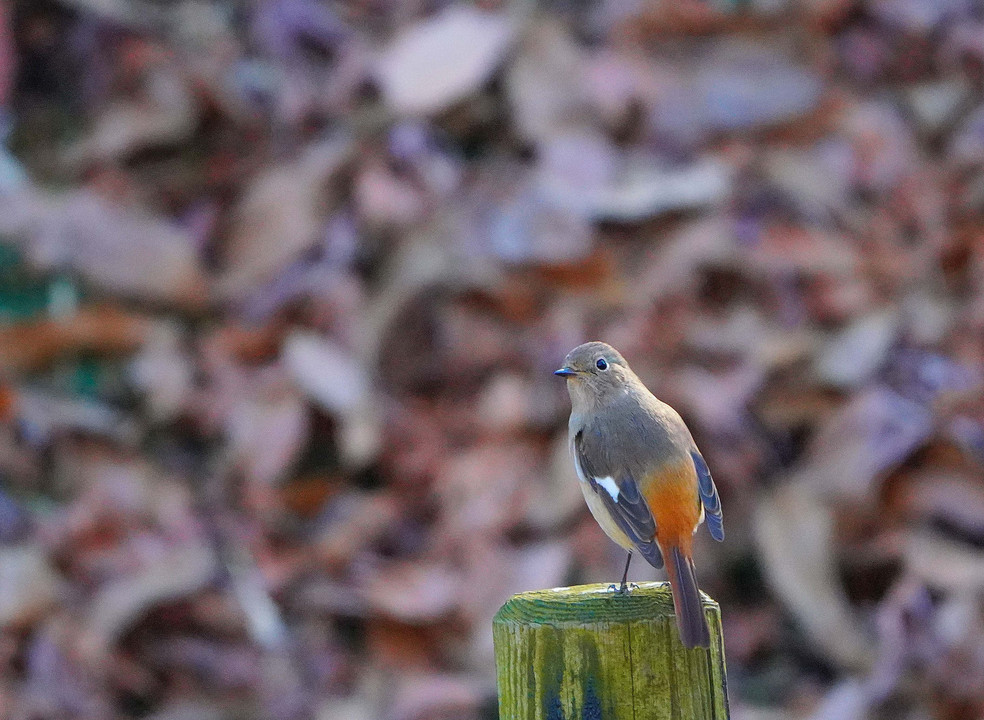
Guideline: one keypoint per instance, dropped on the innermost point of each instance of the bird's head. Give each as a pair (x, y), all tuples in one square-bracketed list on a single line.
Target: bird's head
[(594, 371)]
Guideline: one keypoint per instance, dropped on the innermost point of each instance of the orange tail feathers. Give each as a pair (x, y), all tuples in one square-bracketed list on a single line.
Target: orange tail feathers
[(686, 599)]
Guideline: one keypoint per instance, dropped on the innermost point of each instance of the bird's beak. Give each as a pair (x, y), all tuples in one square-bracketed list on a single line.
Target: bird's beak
[(565, 372)]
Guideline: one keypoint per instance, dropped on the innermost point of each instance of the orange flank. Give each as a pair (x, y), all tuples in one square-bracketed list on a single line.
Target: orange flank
[(671, 493), (674, 500)]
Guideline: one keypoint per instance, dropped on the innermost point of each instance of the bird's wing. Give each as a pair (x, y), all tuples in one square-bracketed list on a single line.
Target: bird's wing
[(620, 493), (709, 497)]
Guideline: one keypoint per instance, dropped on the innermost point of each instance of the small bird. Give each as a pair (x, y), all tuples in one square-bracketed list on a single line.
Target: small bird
[(642, 476)]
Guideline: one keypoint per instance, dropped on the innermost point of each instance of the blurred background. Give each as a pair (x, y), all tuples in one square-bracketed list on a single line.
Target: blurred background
[(282, 284)]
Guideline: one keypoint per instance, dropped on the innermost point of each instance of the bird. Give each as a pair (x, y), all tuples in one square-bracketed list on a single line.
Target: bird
[(642, 476)]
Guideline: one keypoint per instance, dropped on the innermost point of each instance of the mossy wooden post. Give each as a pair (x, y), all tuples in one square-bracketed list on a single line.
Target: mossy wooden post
[(584, 652)]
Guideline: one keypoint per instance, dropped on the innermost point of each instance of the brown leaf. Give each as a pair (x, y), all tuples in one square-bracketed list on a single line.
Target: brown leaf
[(101, 329), (794, 537)]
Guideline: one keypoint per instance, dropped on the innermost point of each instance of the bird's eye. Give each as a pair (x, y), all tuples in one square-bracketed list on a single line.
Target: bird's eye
[(602, 364)]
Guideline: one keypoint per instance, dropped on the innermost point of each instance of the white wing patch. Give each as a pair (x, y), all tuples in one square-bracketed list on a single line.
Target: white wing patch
[(609, 484), (606, 482)]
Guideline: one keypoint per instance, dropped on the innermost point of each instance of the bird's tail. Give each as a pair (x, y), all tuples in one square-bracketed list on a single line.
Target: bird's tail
[(686, 599)]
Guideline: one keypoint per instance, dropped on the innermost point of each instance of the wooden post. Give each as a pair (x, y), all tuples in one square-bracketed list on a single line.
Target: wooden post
[(583, 652)]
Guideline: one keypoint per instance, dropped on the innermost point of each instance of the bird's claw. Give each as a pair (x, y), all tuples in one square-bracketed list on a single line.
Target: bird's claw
[(623, 589)]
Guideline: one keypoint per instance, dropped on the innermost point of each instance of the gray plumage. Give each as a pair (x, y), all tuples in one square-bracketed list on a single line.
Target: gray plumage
[(630, 451)]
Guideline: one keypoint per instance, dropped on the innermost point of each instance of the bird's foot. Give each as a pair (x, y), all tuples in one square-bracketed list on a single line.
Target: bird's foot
[(623, 589)]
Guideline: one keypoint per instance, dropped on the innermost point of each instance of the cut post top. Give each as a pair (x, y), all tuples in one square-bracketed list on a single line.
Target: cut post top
[(592, 603)]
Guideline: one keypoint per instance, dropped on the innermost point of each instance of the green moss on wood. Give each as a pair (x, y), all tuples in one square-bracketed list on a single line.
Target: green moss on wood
[(585, 653)]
